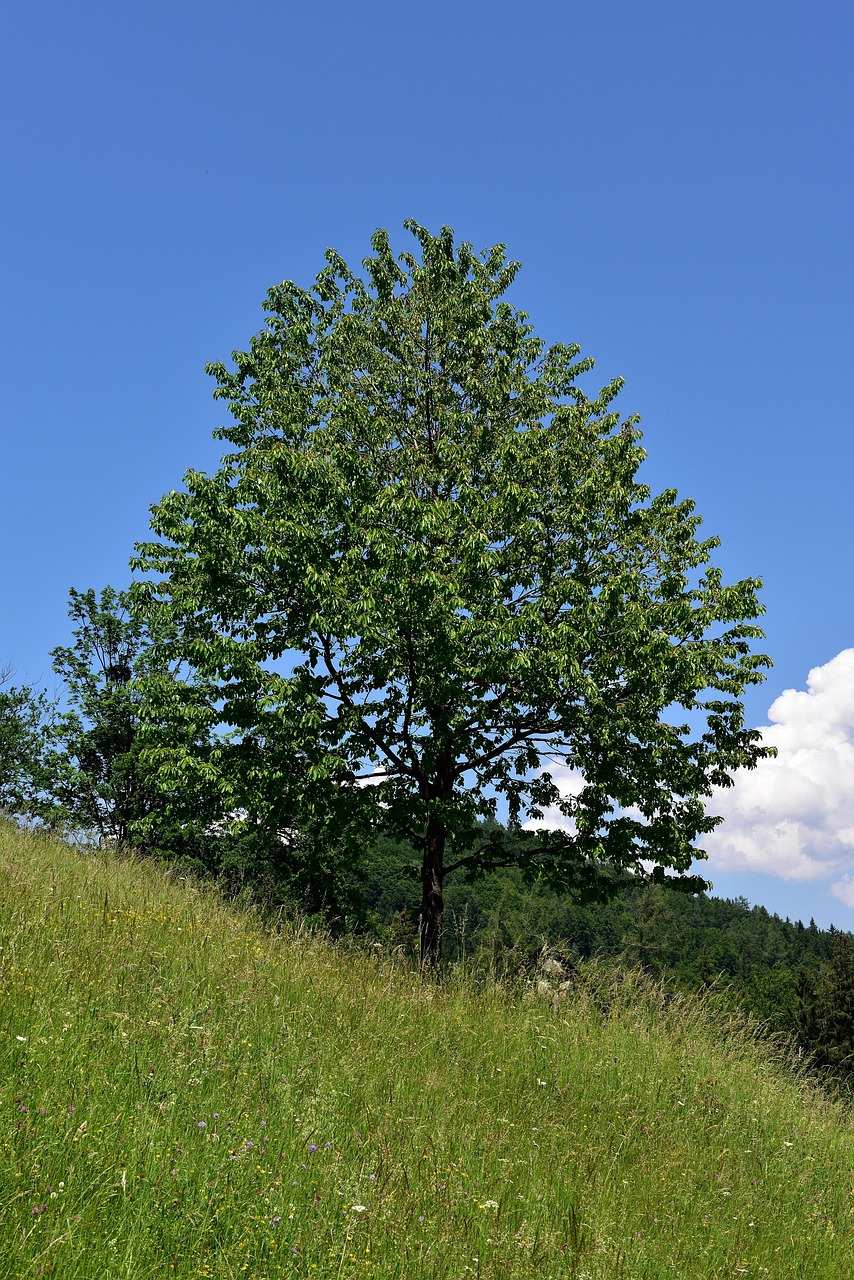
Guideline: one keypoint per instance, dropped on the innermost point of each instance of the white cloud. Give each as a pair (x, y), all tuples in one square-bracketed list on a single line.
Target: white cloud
[(569, 782), (844, 890), (793, 817)]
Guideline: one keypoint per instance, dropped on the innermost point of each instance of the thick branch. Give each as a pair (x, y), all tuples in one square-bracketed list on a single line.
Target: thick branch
[(532, 733), (377, 740)]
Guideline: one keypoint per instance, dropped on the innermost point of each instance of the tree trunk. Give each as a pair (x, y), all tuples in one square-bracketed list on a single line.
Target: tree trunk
[(432, 900)]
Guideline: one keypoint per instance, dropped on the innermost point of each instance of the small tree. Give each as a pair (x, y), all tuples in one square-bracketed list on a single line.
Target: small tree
[(427, 564), (105, 793), (30, 764), (106, 788)]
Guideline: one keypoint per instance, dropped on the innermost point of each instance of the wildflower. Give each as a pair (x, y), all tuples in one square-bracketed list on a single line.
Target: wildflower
[(358, 1208), (203, 1124), (312, 1148), (489, 1204), (23, 1039), (39, 1208)]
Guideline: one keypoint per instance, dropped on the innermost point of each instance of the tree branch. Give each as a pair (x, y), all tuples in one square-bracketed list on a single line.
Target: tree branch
[(378, 741)]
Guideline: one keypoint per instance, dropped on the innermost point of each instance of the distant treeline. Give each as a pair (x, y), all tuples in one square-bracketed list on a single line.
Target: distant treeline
[(799, 979)]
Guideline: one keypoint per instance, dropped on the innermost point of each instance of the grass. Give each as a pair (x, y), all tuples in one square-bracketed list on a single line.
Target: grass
[(186, 1094)]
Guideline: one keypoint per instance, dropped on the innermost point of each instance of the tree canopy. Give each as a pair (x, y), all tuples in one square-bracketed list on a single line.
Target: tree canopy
[(427, 572)]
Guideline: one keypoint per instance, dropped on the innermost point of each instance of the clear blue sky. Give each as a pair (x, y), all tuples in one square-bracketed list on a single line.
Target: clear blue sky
[(676, 180)]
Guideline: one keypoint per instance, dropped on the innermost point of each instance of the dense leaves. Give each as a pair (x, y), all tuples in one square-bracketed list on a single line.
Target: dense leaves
[(105, 792), (428, 564), (30, 761)]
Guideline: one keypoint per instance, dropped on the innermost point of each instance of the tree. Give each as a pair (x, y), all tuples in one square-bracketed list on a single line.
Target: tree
[(29, 760), (124, 706), (105, 790), (106, 787), (428, 565), (831, 1017), (654, 938)]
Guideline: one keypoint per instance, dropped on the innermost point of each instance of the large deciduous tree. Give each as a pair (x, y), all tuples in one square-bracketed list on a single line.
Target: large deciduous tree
[(428, 564)]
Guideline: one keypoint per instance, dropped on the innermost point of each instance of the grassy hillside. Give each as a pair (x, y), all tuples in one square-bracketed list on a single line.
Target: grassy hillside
[(187, 1095)]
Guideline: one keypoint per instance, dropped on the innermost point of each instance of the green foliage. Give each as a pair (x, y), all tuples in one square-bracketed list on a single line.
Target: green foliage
[(30, 762), (105, 790), (122, 698), (428, 564), (81, 767), (825, 1008)]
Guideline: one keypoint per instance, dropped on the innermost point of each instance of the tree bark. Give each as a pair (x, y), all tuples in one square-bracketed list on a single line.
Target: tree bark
[(432, 899)]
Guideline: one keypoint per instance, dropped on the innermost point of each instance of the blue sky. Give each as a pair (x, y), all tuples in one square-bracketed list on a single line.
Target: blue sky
[(675, 179)]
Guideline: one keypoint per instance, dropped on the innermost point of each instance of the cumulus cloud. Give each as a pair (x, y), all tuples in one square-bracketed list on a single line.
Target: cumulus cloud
[(794, 816), (844, 890), (569, 782)]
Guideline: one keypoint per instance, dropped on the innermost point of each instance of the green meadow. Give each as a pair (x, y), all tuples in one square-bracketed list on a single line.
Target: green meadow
[(189, 1090)]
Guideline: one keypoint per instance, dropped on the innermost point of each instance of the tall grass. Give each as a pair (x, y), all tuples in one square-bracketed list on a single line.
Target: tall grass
[(188, 1094)]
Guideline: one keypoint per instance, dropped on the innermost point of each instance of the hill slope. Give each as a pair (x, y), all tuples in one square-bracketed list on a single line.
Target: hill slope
[(185, 1094)]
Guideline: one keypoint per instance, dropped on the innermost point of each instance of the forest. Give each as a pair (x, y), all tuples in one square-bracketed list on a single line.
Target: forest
[(796, 978)]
